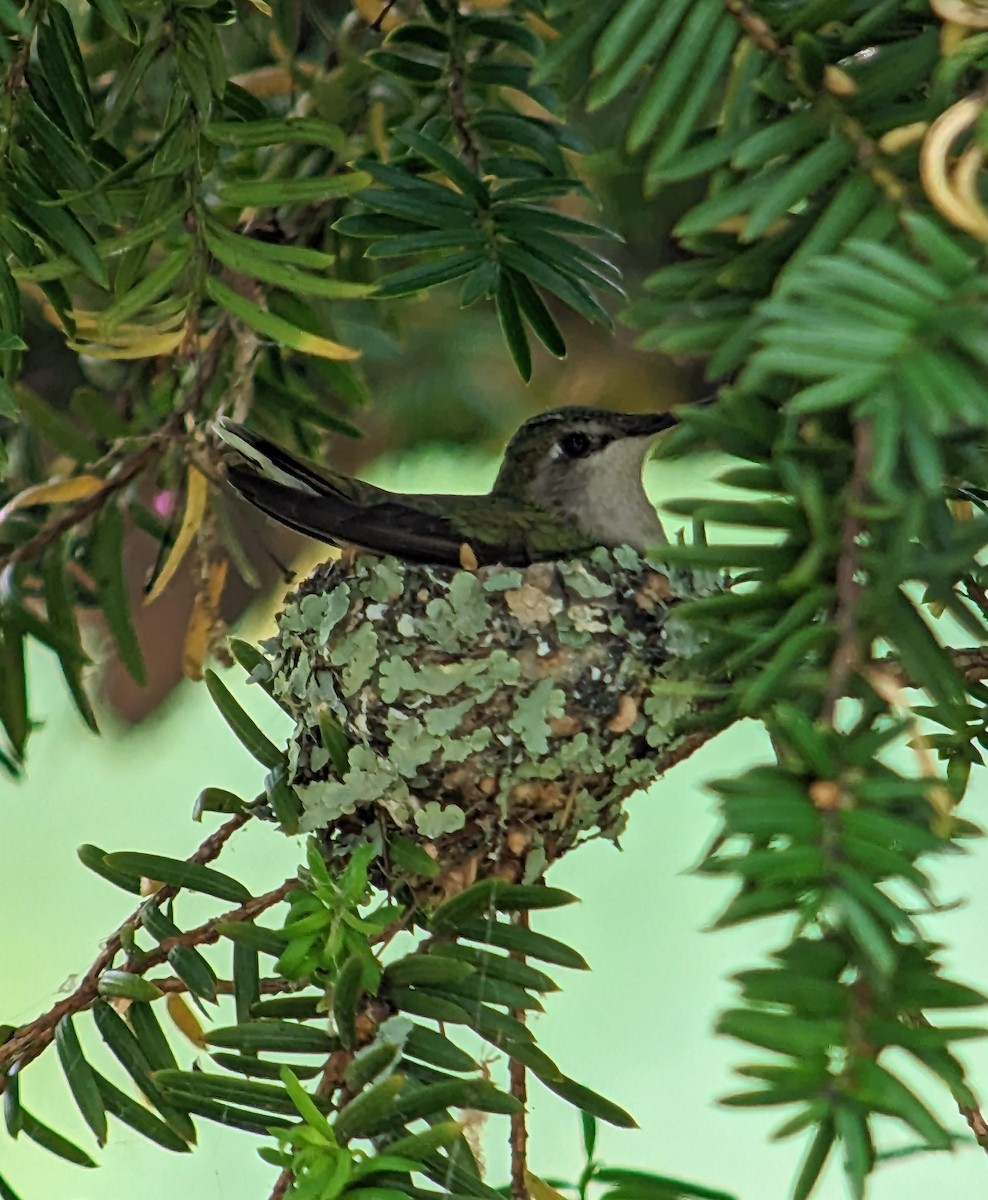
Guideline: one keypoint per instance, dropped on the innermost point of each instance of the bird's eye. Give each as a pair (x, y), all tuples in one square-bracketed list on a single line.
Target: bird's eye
[(575, 445)]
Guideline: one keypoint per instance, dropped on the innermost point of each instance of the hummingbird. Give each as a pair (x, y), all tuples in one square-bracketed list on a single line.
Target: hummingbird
[(570, 480)]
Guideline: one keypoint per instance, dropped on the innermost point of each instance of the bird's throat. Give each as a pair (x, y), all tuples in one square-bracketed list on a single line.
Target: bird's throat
[(604, 498)]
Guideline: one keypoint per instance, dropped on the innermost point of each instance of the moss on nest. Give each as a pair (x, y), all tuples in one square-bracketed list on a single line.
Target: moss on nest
[(496, 717)]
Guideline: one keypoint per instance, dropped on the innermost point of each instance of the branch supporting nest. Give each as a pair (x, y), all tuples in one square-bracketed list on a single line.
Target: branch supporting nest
[(519, 1120)]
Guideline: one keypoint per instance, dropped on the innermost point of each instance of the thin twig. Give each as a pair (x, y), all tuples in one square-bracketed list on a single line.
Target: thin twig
[(31, 1040), (687, 747), (209, 364), (969, 661), (519, 1089), (207, 934), (379, 19), (282, 1184), (972, 1114), (847, 654), (126, 470), (976, 1123), (211, 846), (978, 595), (755, 27), (458, 107)]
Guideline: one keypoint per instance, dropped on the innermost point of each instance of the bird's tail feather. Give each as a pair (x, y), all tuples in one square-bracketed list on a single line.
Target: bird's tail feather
[(287, 503), (269, 461)]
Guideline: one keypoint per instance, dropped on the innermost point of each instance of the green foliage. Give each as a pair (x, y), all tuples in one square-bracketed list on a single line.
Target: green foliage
[(403, 1072), (325, 931)]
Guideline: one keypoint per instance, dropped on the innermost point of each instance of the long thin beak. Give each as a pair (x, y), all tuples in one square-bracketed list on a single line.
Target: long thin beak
[(648, 424)]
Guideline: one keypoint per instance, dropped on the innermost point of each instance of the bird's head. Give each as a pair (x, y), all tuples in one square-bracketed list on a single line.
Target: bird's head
[(585, 464)]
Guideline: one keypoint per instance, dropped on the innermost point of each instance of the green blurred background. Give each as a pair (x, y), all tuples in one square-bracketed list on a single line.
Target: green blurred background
[(637, 1028)]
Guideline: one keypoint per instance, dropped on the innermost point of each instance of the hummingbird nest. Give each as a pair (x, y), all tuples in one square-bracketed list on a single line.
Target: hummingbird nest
[(496, 717)]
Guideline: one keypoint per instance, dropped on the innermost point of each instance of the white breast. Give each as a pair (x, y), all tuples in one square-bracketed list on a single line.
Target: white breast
[(617, 511)]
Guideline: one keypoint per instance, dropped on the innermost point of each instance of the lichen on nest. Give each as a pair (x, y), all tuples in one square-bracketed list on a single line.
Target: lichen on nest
[(496, 717)]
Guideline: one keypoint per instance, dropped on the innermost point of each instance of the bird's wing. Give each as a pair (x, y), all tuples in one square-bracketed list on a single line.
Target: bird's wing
[(342, 511), (386, 527), (409, 532)]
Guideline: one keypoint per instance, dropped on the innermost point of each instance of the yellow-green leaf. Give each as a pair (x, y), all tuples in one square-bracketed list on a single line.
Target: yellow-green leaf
[(59, 491), (275, 327), (150, 288), (195, 510), (268, 193), (240, 254)]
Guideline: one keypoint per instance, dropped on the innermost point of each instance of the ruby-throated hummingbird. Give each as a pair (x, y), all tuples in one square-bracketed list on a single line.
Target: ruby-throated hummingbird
[(570, 480)]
